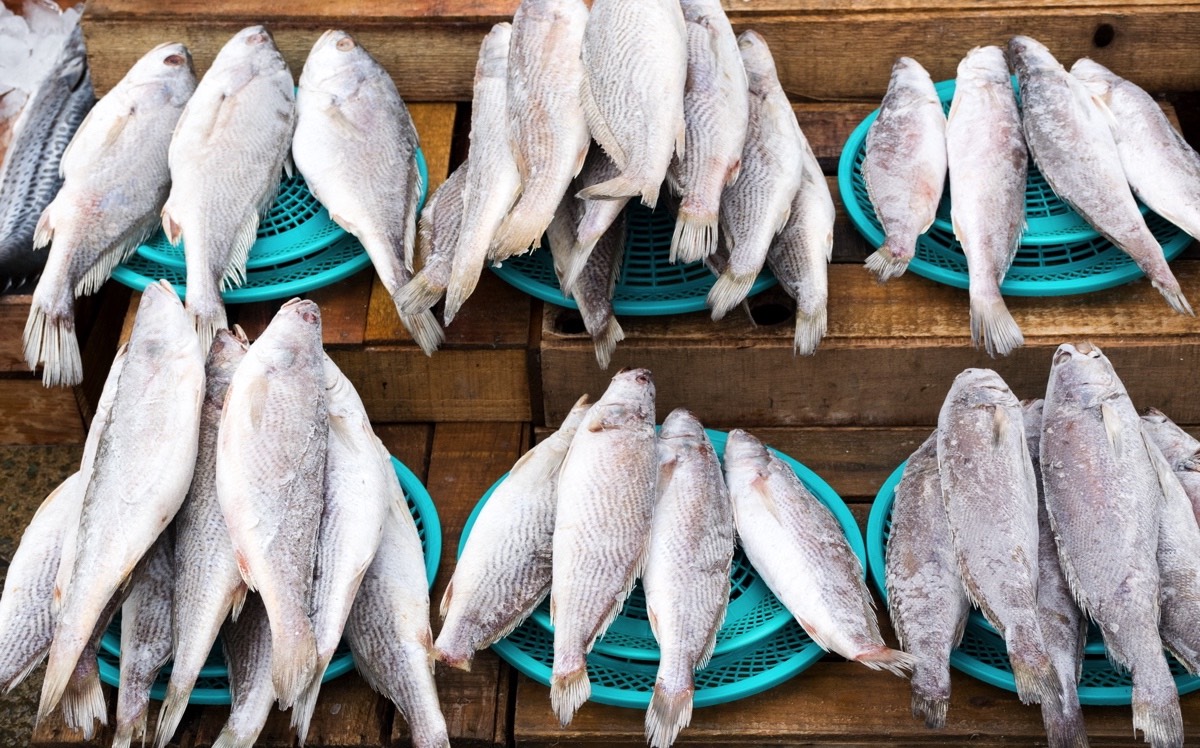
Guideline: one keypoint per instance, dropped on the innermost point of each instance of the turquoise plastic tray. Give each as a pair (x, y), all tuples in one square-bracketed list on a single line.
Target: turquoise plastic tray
[(649, 284), (754, 652), (1060, 253), (299, 248), (212, 687), (982, 653)]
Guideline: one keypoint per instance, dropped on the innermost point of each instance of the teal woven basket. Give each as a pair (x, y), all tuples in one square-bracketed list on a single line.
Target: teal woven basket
[(982, 653), (212, 687), (1060, 253), (649, 284), (759, 646), (299, 248)]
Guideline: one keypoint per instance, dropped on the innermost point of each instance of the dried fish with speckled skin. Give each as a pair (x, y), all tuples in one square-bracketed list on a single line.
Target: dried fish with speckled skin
[(246, 643), (437, 238), (145, 638)]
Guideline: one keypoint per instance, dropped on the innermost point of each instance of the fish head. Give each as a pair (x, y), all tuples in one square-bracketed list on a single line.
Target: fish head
[(983, 65), (168, 65), (493, 53), (253, 48), (293, 337), (629, 399), (575, 416), (162, 319), (982, 387), (228, 349), (744, 451), (337, 64), (1154, 415), (758, 61), (1097, 79), (1027, 56), (1082, 375), (681, 424), (1031, 410)]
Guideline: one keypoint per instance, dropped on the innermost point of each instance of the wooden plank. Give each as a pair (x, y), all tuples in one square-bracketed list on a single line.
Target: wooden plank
[(14, 310), (33, 414), (110, 307), (496, 316)]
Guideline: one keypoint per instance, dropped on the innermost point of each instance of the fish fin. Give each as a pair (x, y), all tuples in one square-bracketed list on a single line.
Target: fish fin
[(954, 101), (1171, 487), (171, 227), (1036, 679), (1064, 726), (680, 138), (1173, 294), (1112, 427), (289, 165), (931, 709), (810, 329), (425, 330), (695, 237), (448, 595), (293, 662), (653, 618), (668, 714), (622, 186), (244, 568), (83, 704), (605, 342), (887, 262), (229, 739), (576, 262), (892, 660), (30, 666), (102, 269), (43, 233), (1001, 426), (53, 342), (235, 271), (174, 704), (418, 295), (237, 602), (729, 291), (1156, 711), (582, 158), (600, 130), (343, 124), (759, 484), (416, 186), (305, 707), (568, 693), (993, 327), (455, 660)]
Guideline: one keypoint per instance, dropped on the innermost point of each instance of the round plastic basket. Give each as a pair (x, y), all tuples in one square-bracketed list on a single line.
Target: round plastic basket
[(982, 653), (1060, 252), (299, 248), (213, 685), (760, 645), (649, 284)]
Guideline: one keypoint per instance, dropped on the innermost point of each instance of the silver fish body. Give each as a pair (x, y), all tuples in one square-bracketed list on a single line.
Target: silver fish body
[(1181, 449), (246, 644), (1178, 566), (437, 238), (592, 220)]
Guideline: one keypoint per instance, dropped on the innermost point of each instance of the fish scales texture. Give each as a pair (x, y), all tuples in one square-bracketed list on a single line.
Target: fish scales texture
[(492, 182), (143, 467), (988, 163), (606, 496), (388, 629), (246, 643), (208, 583), (687, 569), (591, 221), (145, 638), (801, 552), (1064, 627), (926, 598), (115, 181), (635, 74), (1105, 504), (904, 166), (437, 237), (800, 254), (757, 206), (990, 493), (1180, 448), (504, 570), (546, 124), (716, 110), (359, 480), (1070, 141), (83, 701), (1179, 567), (226, 159), (271, 450), (356, 146)]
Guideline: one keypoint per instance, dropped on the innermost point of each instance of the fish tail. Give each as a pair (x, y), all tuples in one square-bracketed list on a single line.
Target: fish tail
[(418, 295), (425, 330), (931, 692), (1037, 680), (1168, 286), (892, 660), (523, 227), (293, 660), (462, 284), (623, 186), (889, 262), (993, 326), (810, 328), (575, 264), (83, 703), (605, 342), (60, 667), (456, 654), (229, 739), (1156, 704), (50, 340), (670, 711), (1064, 726), (123, 735), (931, 709), (729, 291), (306, 706), (695, 237), (568, 692), (171, 714)]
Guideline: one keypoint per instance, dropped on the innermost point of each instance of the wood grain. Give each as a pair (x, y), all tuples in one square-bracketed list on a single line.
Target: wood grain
[(33, 414)]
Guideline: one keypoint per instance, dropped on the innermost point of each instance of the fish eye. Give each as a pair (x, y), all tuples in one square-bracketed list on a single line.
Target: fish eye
[(345, 44), (173, 60)]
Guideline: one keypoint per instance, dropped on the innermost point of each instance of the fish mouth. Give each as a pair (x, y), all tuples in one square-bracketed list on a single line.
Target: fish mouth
[(256, 35), (1084, 349)]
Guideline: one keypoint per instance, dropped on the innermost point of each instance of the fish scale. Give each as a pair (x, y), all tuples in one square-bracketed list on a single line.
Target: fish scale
[(145, 638), (606, 496), (1181, 449), (437, 237), (247, 647), (592, 220)]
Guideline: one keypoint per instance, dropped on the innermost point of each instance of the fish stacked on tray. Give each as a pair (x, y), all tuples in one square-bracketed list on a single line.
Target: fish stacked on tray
[(247, 495), (668, 93), (605, 500), (1098, 140), (1045, 515), (204, 160), (45, 92)]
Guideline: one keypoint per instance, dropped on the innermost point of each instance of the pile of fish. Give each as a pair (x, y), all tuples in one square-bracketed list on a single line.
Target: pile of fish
[(205, 160), (1046, 515), (45, 92), (668, 93), (603, 501), (1098, 140), (246, 496)]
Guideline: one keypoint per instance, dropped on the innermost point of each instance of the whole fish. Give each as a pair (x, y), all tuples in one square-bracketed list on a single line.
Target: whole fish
[(143, 466), (987, 162), (115, 181), (226, 158), (799, 255), (1181, 449), (716, 106), (271, 449), (546, 124), (356, 146), (503, 572), (1105, 504), (606, 493), (756, 207), (359, 479), (246, 643), (904, 166), (593, 289), (437, 238), (687, 569), (635, 73), (1162, 169), (593, 219), (29, 173), (1064, 627), (493, 181), (926, 598), (388, 629), (990, 492), (27, 617), (1070, 139), (208, 584), (802, 554), (1178, 566), (145, 638)]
